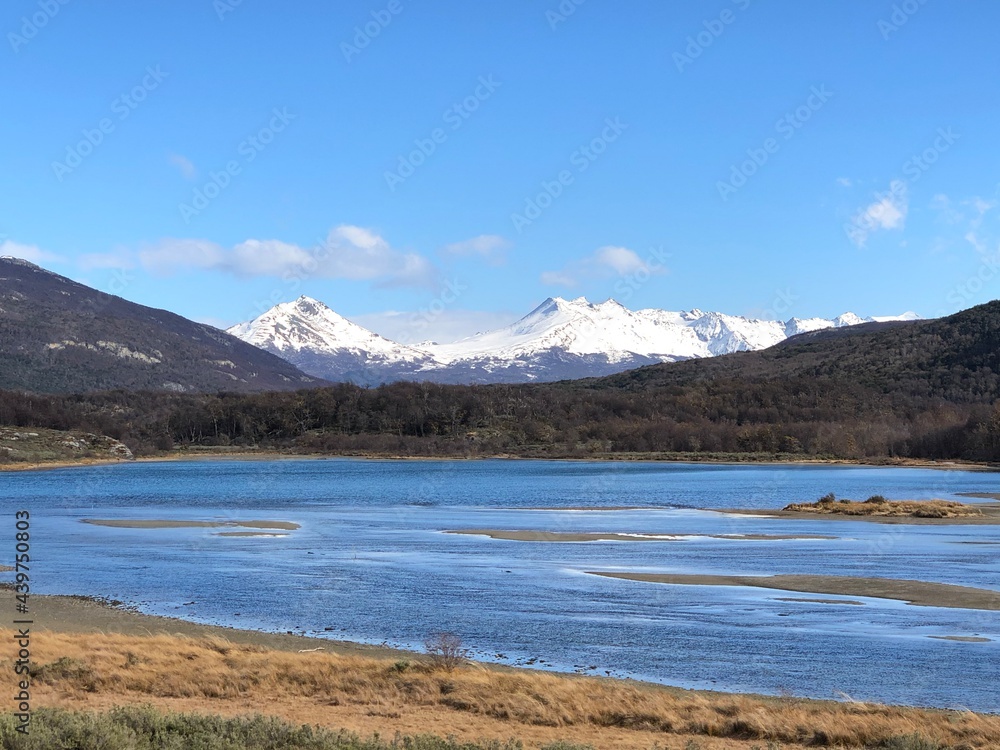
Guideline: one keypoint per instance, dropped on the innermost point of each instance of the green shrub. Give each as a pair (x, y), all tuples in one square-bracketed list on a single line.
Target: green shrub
[(144, 728), (908, 742), (877, 500), (827, 499)]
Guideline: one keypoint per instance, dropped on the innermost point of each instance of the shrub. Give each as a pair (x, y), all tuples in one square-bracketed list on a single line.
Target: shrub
[(445, 650), (908, 742), (827, 499), (877, 500)]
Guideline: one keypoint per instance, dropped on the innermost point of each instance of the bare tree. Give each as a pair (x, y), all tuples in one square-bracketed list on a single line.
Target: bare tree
[(445, 650)]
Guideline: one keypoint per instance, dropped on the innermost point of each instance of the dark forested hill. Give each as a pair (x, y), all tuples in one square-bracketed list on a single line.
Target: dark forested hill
[(59, 336), (925, 389)]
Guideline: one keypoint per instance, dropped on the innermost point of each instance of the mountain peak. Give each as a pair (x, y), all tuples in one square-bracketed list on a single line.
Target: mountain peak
[(561, 338)]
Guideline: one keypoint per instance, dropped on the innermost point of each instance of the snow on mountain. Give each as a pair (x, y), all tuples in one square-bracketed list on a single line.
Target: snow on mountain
[(559, 339), (309, 333), (576, 327)]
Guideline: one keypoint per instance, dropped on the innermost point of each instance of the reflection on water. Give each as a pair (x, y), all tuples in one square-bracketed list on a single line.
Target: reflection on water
[(371, 562)]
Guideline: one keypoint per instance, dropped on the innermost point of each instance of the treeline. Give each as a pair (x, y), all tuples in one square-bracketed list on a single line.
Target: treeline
[(914, 390), (802, 416)]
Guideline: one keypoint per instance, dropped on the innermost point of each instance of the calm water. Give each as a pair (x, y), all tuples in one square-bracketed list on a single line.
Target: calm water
[(371, 564)]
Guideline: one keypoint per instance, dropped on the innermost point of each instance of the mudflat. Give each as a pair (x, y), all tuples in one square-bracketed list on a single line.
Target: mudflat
[(127, 523), (920, 593), (572, 536)]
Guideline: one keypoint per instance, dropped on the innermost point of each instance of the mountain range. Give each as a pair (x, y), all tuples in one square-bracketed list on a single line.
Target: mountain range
[(59, 336), (558, 340)]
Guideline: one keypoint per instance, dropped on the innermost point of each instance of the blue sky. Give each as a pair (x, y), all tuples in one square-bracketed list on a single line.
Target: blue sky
[(470, 159)]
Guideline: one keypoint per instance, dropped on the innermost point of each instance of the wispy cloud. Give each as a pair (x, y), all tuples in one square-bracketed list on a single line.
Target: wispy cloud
[(348, 252), (30, 253), (184, 166), (120, 258), (845, 181), (490, 247), (605, 262), (887, 211)]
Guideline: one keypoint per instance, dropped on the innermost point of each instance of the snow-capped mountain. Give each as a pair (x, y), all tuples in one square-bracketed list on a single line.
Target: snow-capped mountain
[(309, 332), (559, 339)]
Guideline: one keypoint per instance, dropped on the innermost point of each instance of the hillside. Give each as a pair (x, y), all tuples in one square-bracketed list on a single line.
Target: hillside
[(58, 336), (923, 389)]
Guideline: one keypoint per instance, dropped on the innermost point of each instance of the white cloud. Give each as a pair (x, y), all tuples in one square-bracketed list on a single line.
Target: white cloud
[(348, 252), (887, 211), (184, 166), (30, 253), (490, 247), (845, 181), (605, 262), (169, 256), (120, 258)]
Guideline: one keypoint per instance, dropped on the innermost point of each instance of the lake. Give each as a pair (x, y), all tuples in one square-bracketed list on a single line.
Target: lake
[(371, 563)]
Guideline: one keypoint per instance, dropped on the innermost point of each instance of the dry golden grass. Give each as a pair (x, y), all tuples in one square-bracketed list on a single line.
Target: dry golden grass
[(98, 670), (890, 508)]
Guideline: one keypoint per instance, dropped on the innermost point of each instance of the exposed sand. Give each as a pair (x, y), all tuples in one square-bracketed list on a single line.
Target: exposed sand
[(921, 593), (981, 495), (570, 536), (126, 523), (990, 516), (819, 601), (5, 568), (962, 638)]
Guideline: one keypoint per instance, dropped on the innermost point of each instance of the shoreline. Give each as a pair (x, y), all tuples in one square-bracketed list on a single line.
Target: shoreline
[(75, 614), (990, 516), (277, 455), (99, 657)]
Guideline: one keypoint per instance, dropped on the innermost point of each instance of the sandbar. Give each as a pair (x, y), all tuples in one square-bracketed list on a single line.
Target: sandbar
[(919, 593), (818, 601), (127, 523), (515, 535), (990, 516), (962, 638)]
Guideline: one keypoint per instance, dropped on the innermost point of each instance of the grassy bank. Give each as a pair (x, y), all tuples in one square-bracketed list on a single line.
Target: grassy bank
[(877, 505), (472, 702), (145, 728)]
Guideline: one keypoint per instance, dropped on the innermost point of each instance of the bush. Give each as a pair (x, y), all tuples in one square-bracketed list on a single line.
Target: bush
[(827, 499), (908, 742), (877, 500), (144, 728), (445, 650)]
